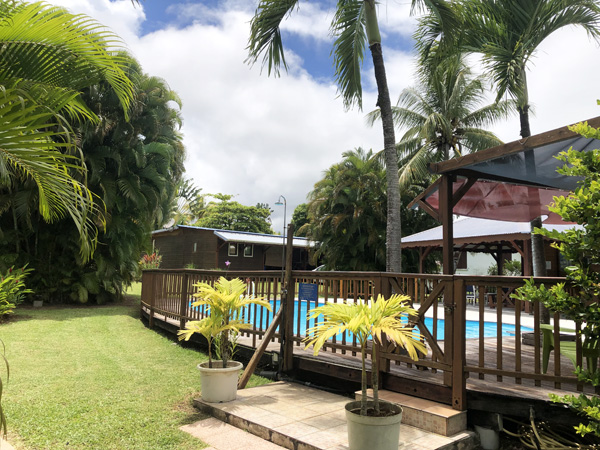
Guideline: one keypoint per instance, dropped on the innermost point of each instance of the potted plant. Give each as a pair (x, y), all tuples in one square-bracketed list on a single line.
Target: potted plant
[(371, 424), (226, 304)]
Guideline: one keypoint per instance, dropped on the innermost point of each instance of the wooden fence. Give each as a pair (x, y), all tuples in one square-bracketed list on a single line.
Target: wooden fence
[(443, 301)]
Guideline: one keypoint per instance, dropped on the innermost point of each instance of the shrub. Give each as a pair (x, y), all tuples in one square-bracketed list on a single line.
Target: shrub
[(12, 289), (151, 261)]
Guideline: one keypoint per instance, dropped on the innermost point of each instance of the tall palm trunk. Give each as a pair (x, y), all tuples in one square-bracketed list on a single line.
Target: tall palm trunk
[(394, 226), (537, 241)]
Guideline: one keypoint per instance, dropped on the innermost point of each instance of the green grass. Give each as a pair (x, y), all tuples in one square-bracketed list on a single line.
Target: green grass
[(135, 289), (97, 378)]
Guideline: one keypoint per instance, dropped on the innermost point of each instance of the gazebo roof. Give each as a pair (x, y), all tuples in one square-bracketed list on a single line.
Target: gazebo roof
[(511, 182), (478, 235)]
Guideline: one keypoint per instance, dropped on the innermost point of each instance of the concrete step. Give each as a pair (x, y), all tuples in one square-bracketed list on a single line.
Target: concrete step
[(425, 414)]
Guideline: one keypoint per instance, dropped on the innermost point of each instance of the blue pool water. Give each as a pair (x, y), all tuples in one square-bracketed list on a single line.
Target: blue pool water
[(264, 317)]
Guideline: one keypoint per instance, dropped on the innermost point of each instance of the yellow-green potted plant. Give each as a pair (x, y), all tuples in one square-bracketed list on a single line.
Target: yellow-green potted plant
[(226, 303), (371, 424)]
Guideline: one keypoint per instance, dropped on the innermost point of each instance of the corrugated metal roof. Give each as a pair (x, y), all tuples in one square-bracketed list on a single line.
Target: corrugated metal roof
[(244, 236), (473, 227), (264, 239)]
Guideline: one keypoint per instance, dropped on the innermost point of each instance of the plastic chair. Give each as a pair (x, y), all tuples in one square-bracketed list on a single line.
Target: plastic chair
[(471, 297), (590, 350)]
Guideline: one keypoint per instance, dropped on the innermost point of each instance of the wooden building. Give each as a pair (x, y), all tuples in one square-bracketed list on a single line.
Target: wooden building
[(206, 248)]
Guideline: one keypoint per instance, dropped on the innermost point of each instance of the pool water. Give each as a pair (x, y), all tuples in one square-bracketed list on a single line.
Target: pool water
[(264, 317)]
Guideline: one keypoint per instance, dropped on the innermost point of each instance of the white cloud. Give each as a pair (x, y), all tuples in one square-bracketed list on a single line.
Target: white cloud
[(259, 137)]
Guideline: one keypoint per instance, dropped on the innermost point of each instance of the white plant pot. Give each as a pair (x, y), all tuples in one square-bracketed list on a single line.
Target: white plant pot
[(490, 439), (219, 384), (373, 433)]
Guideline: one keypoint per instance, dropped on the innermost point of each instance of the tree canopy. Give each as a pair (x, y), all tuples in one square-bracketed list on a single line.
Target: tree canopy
[(49, 56), (225, 214), (133, 168)]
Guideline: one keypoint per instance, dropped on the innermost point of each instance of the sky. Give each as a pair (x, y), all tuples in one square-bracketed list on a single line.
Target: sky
[(258, 137)]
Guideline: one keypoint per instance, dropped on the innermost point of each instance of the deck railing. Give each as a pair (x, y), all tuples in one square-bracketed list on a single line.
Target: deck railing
[(453, 356)]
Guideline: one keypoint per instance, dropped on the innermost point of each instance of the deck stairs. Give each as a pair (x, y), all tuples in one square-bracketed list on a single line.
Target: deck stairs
[(425, 414)]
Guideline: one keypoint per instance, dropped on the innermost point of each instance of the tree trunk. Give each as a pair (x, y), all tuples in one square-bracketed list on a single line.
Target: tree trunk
[(394, 226), (375, 376), (537, 241)]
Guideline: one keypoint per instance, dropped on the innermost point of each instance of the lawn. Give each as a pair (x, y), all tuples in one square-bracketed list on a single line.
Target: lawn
[(97, 378)]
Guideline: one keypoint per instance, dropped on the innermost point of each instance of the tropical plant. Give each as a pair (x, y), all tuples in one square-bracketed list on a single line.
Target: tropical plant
[(189, 203), (346, 216), (507, 34), (511, 268), (442, 117), (225, 214), (582, 248), (226, 305), (133, 167), (370, 320), (151, 261), (346, 213), (49, 56), (13, 289), (354, 25)]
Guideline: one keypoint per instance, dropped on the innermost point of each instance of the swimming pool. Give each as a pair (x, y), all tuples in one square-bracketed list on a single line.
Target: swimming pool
[(264, 317)]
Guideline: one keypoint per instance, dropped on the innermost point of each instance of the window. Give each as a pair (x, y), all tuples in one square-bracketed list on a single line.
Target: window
[(195, 247), (248, 251), (233, 250)]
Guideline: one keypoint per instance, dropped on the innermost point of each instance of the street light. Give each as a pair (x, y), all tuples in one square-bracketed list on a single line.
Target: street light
[(283, 293), (284, 203)]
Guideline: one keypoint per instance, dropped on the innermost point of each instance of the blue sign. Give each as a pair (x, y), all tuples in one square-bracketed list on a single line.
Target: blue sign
[(307, 291)]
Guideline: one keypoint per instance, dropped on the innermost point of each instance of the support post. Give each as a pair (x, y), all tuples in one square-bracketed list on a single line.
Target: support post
[(289, 295), (184, 302), (445, 211), (459, 381)]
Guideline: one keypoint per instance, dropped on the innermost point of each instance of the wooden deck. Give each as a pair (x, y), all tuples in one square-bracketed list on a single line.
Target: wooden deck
[(508, 386)]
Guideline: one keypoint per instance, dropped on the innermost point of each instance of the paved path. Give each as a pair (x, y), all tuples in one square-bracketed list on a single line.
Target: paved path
[(296, 416)]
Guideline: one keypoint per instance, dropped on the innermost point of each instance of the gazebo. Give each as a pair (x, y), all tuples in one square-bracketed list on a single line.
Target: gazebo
[(495, 237), (511, 182)]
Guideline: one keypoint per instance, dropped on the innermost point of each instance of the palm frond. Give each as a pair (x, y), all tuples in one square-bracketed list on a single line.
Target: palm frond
[(348, 26), (265, 34)]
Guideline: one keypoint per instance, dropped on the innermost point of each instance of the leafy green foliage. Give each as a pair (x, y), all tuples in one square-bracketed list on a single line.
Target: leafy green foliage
[(347, 216), (226, 304), (133, 168), (511, 267), (367, 320), (13, 289), (225, 214), (300, 218), (49, 56), (442, 117), (582, 248)]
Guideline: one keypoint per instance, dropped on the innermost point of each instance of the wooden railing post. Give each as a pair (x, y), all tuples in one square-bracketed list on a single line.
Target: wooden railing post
[(184, 301), (153, 281), (459, 382), (288, 298)]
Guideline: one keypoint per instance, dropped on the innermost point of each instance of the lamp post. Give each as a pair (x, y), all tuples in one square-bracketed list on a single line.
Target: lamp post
[(284, 203), (283, 293)]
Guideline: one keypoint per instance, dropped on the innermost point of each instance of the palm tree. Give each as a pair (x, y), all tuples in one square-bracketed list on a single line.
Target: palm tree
[(48, 57), (354, 25), (443, 116), (507, 33), (346, 213)]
